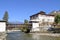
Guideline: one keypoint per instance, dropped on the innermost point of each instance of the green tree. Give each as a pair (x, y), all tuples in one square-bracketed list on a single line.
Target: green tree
[(57, 19), (5, 17), (26, 21), (26, 26)]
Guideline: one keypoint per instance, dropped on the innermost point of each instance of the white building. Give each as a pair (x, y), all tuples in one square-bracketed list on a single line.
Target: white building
[(2, 26), (41, 21)]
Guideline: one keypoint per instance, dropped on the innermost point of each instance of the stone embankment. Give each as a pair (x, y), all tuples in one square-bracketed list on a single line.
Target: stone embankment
[(3, 36), (48, 34)]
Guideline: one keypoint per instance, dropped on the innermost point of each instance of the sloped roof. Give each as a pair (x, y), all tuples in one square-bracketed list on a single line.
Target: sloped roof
[(41, 12), (2, 21)]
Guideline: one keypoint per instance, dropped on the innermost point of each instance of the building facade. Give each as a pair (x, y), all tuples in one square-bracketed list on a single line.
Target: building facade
[(41, 20), (2, 26)]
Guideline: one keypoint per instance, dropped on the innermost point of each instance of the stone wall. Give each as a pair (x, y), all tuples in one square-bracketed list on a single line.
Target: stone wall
[(3, 35)]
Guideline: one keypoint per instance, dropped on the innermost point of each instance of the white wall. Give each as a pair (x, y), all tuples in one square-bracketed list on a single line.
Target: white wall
[(46, 18), (2, 26), (35, 27)]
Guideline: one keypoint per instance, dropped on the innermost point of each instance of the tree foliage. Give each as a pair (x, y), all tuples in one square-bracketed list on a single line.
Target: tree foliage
[(26, 21), (25, 27), (5, 17), (57, 19)]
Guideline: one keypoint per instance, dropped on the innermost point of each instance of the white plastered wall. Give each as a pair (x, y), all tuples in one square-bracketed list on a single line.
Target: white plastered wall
[(2, 26)]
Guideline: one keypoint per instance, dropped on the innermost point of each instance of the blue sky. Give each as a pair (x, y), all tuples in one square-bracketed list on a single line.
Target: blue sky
[(21, 9)]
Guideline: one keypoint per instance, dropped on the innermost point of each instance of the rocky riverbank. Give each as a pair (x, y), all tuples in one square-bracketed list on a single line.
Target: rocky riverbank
[(3, 36)]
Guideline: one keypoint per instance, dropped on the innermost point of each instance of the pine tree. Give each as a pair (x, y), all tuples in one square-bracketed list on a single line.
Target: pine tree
[(5, 17)]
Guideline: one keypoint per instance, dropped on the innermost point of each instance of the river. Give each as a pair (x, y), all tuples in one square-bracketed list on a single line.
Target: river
[(17, 35)]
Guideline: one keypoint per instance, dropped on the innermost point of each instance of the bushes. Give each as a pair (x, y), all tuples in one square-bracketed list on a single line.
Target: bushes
[(25, 29)]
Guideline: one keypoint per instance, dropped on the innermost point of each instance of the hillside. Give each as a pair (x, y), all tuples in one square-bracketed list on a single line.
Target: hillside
[(55, 12)]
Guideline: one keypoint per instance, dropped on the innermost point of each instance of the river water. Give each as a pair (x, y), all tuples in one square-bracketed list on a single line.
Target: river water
[(23, 36)]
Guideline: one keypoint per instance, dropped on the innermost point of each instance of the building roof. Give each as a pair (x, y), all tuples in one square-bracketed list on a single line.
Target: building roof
[(49, 15), (2, 21), (42, 13)]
